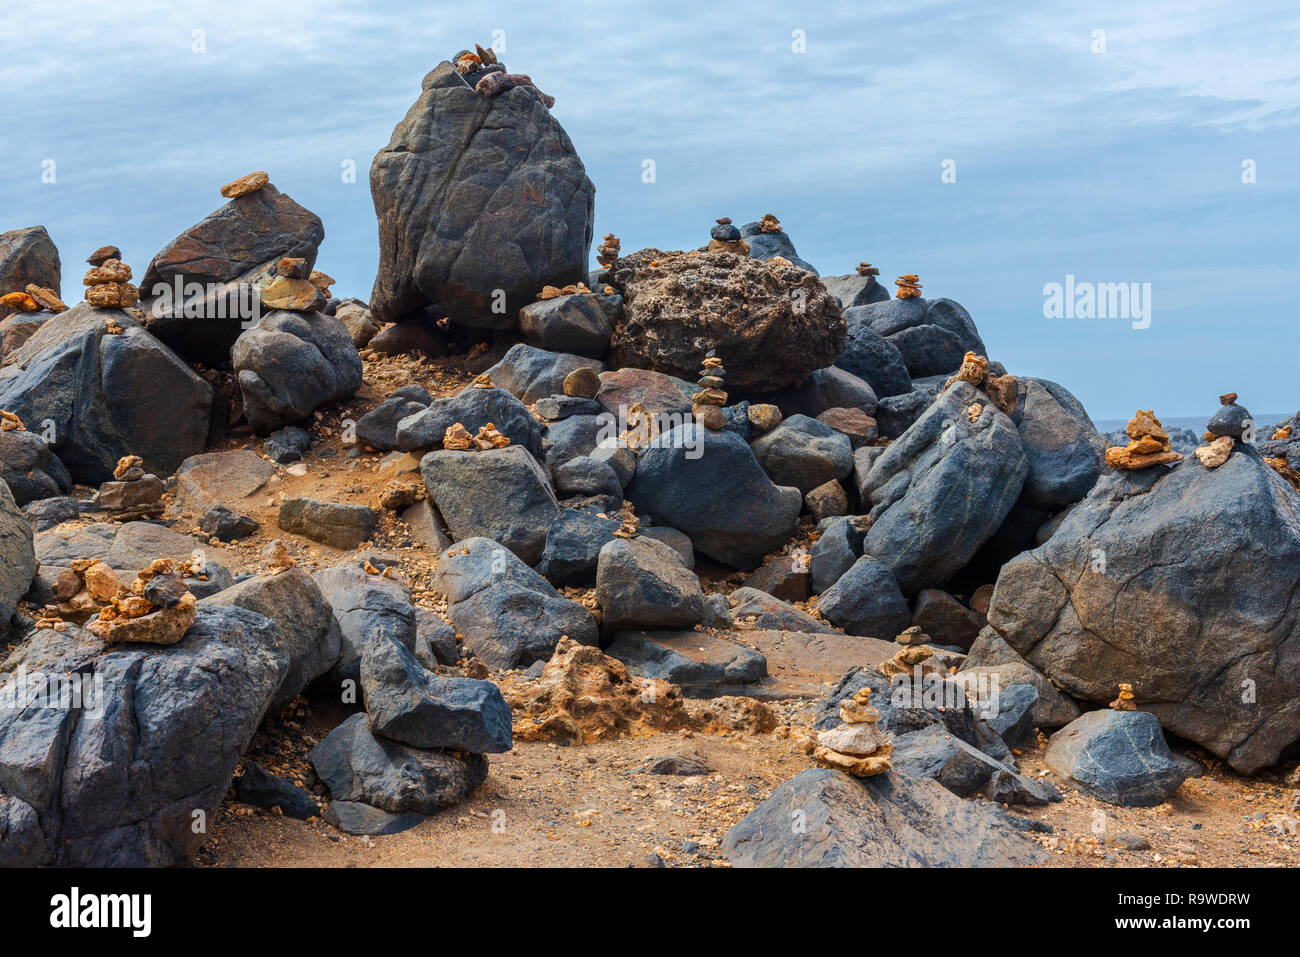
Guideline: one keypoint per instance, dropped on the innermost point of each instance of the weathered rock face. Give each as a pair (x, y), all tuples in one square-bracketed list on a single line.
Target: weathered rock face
[(531, 373), (502, 494), (289, 363), (709, 485), (866, 601), (1063, 448), (770, 324), (241, 241), (931, 334), (476, 194), (804, 452), (641, 583), (27, 256), (942, 489), (17, 556), (30, 469), (890, 820), (1182, 582), (170, 725), (107, 395)]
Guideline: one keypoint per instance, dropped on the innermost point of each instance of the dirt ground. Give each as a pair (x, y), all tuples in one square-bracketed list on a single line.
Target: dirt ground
[(545, 804)]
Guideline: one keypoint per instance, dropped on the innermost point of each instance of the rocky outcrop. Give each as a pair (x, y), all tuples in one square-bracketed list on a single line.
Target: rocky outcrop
[(932, 335), (772, 324), (27, 256), (1181, 582), (481, 200), (106, 395)]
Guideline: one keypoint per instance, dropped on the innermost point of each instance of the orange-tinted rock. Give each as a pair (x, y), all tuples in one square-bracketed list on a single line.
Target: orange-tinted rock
[(1124, 459), (112, 270), (909, 286), (295, 295), (46, 298), (245, 185), (1216, 452), (292, 267), (113, 295), (19, 302)]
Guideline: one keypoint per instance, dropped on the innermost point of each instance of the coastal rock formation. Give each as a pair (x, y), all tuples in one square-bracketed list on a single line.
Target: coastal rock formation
[(482, 200), (28, 256)]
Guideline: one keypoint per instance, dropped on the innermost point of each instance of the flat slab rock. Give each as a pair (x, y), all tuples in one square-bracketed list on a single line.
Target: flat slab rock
[(824, 818), (800, 664), (702, 664)]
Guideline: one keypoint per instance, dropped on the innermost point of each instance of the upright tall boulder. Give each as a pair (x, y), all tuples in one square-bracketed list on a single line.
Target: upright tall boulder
[(239, 242), (17, 556), (1182, 582), (107, 395), (27, 256), (942, 489), (479, 197)]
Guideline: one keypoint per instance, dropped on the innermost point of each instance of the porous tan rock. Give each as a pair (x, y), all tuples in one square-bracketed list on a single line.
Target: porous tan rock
[(113, 295), (457, 438), (583, 382), (112, 270), (855, 747), (909, 286), (245, 185), (1148, 444), (1215, 453), (1125, 700), (46, 298), (294, 295), (764, 417), (19, 302)]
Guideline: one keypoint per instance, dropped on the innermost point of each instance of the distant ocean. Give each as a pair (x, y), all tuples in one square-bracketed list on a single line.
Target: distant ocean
[(1195, 423)]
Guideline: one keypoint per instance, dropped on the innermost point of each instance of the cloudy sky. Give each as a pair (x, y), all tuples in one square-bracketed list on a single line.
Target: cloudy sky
[(1111, 156)]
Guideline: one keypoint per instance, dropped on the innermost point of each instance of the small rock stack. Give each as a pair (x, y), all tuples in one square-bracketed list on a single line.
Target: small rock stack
[(1230, 425), (1001, 389), (725, 238), (133, 493), (1148, 444), (607, 252), (1125, 700), (291, 288), (555, 292), (866, 270), (155, 609), (908, 659), (9, 422), (108, 281), (855, 747), (769, 224), (909, 286), (457, 438), (707, 404)]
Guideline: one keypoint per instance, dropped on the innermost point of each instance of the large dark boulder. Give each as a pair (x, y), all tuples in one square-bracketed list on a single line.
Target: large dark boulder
[(502, 494), (1119, 757), (360, 766), (508, 615), (768, 245), (17, 556), (865, 600), (473, 408), (642, 583), (581, 323), (531, 373), (122, 781), (1064, 450), (240, 242), (106, 395), (414, 706), (803, 452), (943, 488), (290, 363), (481, 201), (823, 818), (27, 256), (855, 290), (931, 334), (709, 485), (1183, 583), (873, 358), (770, 324), (30, 469), (364, 605)]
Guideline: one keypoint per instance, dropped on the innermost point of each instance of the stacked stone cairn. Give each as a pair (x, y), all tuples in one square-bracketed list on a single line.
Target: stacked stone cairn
[(725, 238), (1230, 425), (1148, 444), (1125, 700), (291, 288), (855, 747), (707, 404), (1001, 389), (909, 286), (132, 493), (108, 281), (154, 609)]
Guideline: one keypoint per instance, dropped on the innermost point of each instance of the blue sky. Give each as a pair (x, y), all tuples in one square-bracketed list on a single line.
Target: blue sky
[(1115, 166)]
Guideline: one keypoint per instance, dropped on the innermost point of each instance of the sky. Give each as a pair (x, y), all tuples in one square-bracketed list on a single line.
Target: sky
[(992, 152)]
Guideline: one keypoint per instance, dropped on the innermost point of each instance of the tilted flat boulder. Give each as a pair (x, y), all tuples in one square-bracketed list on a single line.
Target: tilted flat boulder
[(1064, 450), (942, 489), (242, 240), (771, 324), (106, 395), (365, 605), (481, 201), (290, 363), (890, 820), (1183, 583), (581, 323), (709, 485), (530, 373), (871, 357), (865, 600), (1120, 757)]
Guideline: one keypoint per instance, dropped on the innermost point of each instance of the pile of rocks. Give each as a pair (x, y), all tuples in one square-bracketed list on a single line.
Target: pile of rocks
[(108, 281), (458, 438), (156, 608), (291, 288), (133, 493), (1148, 445), (855, 746), (706, 405), (909, 286), (1002, 389), (725, 238)]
